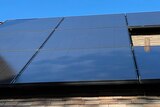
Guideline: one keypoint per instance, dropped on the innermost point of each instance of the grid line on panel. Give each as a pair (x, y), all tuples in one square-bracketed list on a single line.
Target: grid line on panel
[(82, 48), (22, 70), (25, 30), (61, 49), (24, 50)]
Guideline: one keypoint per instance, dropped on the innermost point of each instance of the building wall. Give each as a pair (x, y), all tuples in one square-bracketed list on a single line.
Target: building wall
[(136, 101)]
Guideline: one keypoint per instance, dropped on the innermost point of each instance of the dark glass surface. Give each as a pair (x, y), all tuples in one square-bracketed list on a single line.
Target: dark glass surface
[(22, 40), (117, 20), (148, 62), (31, 24), (26, 35), (11, 63), (80, 65), (89, 38), (13, 22), (19, 40), (143, 19)]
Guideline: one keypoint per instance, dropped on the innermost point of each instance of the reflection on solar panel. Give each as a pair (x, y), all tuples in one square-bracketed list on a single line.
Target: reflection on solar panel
[(11, 63), (80, 65), (78, 49), (148, 62), (19, 41), (83, 53), (147, 52)]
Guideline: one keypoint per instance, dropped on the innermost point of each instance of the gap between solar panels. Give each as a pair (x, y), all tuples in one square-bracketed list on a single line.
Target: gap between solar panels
[(134, 58), (145, 37), (145, 46)]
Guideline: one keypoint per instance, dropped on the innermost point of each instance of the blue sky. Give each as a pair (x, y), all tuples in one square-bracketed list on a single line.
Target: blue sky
[(22, 9)]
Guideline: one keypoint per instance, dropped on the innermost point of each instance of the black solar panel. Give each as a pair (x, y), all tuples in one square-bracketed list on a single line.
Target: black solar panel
[(9, 23), (89, 38), (97, 21), (89, 48), (89, 54), (22, 40), (143, 19), (148, 62), (80, 65), (81, 51), (30, 24), (19, 41), (11, 63)]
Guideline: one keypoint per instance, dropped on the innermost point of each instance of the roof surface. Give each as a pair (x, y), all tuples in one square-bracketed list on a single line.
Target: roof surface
[(77, 50)]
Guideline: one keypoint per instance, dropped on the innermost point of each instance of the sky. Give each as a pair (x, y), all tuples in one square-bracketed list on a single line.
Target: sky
[(24, 9)]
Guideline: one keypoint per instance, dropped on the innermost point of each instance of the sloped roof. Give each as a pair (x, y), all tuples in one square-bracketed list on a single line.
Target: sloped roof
[(77, 50)]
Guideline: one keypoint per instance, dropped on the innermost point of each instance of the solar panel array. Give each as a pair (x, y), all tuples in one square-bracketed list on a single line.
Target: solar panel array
[(75, 49), (147, 62)]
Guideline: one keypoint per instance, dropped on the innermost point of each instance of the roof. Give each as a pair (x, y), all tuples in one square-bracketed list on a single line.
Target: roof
[(83, 50)]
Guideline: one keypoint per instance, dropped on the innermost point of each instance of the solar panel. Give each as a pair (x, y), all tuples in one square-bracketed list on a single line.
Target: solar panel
[(19, 40), (83, 55), (88, 38), (91, 48), (11, 63), (8, 23), (22, 40), (143, 19), (80, 65), (27, 35), (148, 62), (98, 21), (30, 24)]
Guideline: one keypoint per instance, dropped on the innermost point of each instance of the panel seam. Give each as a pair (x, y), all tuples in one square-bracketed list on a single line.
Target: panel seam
[(37, 51), (133, 54)]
